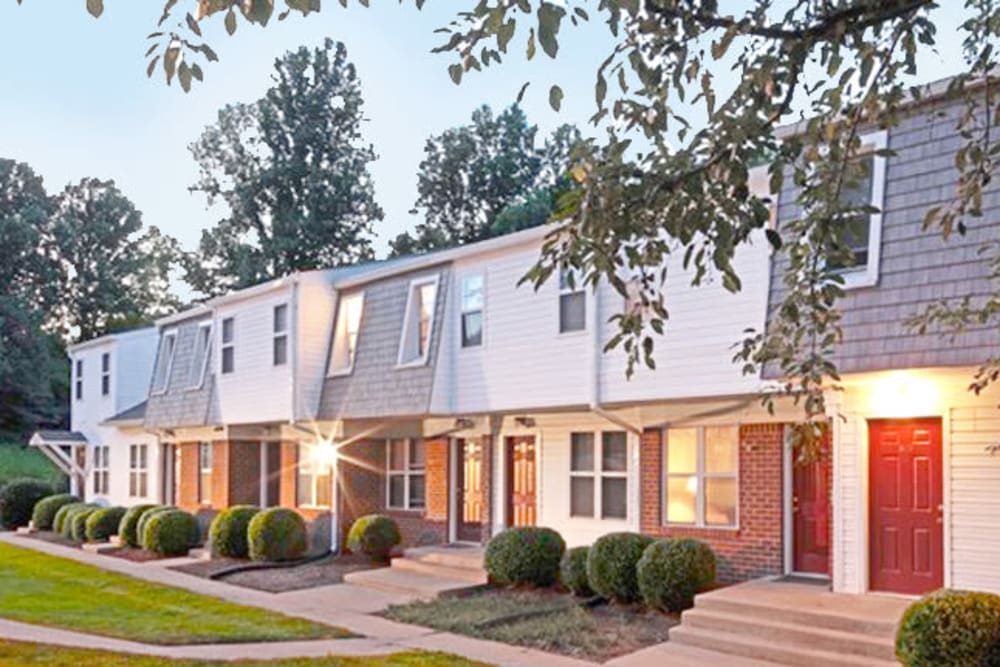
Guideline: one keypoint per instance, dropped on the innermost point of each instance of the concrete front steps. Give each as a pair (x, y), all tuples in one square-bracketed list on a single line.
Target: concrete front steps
[(427, 572), (793, 624)]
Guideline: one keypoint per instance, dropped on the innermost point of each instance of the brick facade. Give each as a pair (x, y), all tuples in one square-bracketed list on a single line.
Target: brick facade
[(754, 549)]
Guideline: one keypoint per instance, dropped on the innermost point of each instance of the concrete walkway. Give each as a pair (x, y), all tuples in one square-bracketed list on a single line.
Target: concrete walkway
[(341, 605)]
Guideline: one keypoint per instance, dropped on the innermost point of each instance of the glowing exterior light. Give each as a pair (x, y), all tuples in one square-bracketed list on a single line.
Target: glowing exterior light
[(904, 395), (325, 453)]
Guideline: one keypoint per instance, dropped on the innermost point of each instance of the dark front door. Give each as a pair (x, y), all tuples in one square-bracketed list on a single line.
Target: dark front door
[(907, 534), (521, 481), (811, 516), (469, 487), (272, 461)]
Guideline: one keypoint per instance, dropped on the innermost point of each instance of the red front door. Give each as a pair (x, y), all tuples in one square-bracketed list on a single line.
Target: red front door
[(907, 538), (811, 516), (521, 481)]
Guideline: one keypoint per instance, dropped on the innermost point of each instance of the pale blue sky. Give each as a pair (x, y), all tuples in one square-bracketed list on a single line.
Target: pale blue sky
[(75, 100)]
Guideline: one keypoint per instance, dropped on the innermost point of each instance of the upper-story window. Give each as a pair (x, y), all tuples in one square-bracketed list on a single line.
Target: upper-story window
[(472, 310), (164, 362), (79, 379), (345, 333), (105, 374), (279, 354), (599, 477), (228, 345), (572, 302), (199, 363), (701, 485), (865, 186), (418, 322)]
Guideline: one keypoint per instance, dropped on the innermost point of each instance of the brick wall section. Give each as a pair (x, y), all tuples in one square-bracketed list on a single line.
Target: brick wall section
[(436, 462), (220, 475), (187, 485), (289, 463), (755, 548)]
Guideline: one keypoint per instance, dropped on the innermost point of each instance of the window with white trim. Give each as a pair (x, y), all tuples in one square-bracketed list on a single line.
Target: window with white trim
[(79, 379), (105, 374), (572, 302), (405, 488), (205, 473), (345, 333), (199, 364), (164, 362), (138, 471), (701, 468), (314, 478), (279, 354), (228, 345), (473, 296), (418, 322), (101, 469), (599, 475)]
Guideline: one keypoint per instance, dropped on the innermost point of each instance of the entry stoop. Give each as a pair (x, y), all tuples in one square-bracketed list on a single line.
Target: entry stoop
[(793, 624), (427, 572)]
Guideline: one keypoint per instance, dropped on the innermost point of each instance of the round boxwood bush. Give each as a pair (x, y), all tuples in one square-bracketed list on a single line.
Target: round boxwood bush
[(128, 528), (277, 534), (45, 510), (140, 527), (670, 572), (228, 533), (525, 555), (103, 523), (77, 522), (957, 628), (59, 521), (573, 571), (66, 529), (17, 501), (611, 565), (374, 535), (170, 533)]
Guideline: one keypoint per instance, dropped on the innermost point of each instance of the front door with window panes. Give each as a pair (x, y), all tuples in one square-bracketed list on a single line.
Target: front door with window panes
[(405, 476), (701, 476)]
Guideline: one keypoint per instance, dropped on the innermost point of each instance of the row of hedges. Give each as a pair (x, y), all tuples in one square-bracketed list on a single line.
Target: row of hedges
[(273, 535), (623, 567)]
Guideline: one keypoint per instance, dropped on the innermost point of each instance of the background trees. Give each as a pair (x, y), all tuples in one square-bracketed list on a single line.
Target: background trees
[(292, 170)]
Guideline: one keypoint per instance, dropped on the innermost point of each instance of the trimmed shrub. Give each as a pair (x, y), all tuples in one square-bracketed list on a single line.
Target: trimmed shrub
[(573, 571), (140, 526), (611, 565), (103, 523), (277, 534), (170, 533), (525, 555), (45, 510), (670, 572), (956, 628), (77, 522), (374, 535), (228, 534), (17, 501), (59, 522), (128, 528)]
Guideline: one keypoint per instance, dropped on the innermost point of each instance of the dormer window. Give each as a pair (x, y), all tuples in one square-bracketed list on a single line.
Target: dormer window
[(345, 333), (418, 322), (472, 310), (164, 362), (279, 351), (572, 302), (105, 374), (79, 379), (199, 364), (228, 346)]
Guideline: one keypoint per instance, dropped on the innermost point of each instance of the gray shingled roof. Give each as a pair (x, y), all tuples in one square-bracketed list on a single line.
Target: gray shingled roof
[(59, 437), (136, 412)]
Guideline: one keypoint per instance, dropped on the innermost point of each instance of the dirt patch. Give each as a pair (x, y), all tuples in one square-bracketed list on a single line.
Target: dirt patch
[(324, 572), (134, 555)]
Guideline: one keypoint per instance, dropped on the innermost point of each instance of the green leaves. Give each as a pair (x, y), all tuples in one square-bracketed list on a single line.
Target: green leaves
[(549, 19), (95, 7), (555, 97)]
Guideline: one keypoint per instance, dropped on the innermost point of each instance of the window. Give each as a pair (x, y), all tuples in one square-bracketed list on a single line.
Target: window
[(228, 346), (199, 364), (345, 333), (314, 479), (572, 303), (205, 473), (280, 328), (405, 473), (164, 362), (701, 476), (101, 468), (472, 311), (418, 322), (138, 471), (598, 479), (79, 379), (105, 374), (864, 187)]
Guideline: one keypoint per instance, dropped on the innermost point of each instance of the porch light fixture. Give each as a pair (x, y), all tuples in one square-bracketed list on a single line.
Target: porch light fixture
[(325, 453), (463, 423), (526, 422)]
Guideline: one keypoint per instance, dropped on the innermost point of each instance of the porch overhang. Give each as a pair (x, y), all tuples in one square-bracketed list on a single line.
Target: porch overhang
[(60, 447)]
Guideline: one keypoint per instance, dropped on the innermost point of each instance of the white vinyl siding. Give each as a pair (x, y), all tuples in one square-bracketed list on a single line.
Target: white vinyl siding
[(164, 362), (405, 479)]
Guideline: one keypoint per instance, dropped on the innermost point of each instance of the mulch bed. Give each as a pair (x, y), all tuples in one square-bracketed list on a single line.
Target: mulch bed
[(134, 555), (324, 572), (54, 538)]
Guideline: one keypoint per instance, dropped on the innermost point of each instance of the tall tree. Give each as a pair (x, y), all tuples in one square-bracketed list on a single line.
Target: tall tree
[(113, 271), (292, 169), (471, 173), (27, 265)]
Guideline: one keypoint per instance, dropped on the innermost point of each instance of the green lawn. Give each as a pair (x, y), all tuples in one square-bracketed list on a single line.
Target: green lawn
[(17, 461), (46, 590), (44, 655)]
